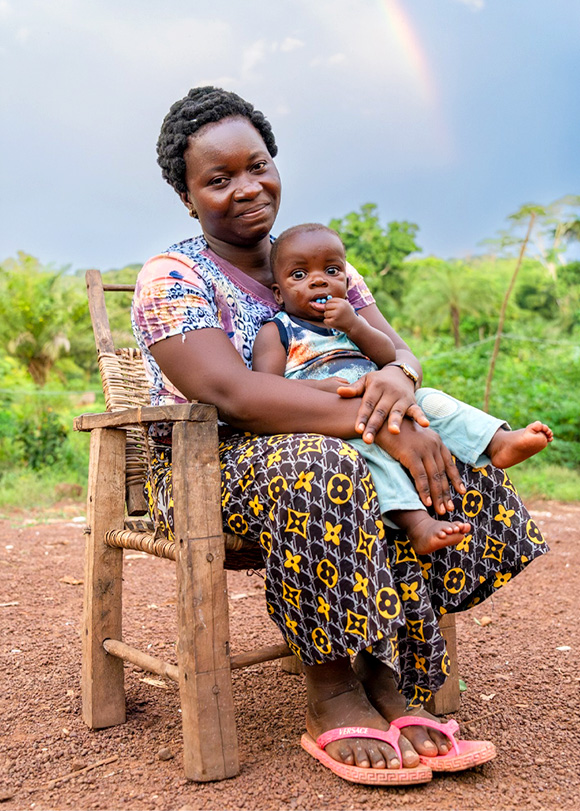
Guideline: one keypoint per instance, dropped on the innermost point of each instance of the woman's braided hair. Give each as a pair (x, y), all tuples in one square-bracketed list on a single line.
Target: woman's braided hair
[(201, 106)]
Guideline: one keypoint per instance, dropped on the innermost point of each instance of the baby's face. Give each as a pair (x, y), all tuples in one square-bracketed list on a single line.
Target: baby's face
[(310, 267)]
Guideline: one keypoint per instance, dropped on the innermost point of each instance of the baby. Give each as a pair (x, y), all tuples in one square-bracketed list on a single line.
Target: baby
[(319, 339)]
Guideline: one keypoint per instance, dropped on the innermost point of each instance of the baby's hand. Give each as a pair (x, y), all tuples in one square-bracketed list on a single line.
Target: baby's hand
[(339, 314)]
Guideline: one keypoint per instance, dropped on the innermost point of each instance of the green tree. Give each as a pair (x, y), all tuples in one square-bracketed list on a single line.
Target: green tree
[(378, 251), (442, 294), (39, 310), (556, 226), (568, 287), (526, 215)]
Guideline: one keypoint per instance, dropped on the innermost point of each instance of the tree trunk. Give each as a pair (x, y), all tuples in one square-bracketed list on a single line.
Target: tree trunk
[(506, 298), (455, 325), (38, 368)]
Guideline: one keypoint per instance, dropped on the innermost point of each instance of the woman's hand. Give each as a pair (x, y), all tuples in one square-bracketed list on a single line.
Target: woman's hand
[(428, 461), (388, 395)]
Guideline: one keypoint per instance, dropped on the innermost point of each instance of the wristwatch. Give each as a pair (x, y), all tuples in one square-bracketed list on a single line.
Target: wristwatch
[(411, 373)]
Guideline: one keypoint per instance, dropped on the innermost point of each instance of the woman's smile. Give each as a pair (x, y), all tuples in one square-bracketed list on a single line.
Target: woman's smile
[(232, 182), (255, 212)]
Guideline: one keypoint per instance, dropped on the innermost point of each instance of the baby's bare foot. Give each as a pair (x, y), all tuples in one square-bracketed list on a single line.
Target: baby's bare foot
[(427, 534), (508, 448)]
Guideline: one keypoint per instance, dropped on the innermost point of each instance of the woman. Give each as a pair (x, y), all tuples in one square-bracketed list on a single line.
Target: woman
[(335, 584)]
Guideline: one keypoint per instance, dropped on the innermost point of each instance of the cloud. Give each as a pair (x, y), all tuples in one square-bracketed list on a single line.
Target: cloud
[(291, 44), (474, 5), (252, 56), (333, 59)]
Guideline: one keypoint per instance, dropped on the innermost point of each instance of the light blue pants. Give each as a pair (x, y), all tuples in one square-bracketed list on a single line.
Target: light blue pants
[(465, 430)]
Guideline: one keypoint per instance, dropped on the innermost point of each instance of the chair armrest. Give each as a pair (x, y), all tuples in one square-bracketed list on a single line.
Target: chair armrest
[(142, 415)]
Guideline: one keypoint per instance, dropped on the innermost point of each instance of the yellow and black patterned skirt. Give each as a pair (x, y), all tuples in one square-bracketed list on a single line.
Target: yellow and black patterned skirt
[(337, 579)]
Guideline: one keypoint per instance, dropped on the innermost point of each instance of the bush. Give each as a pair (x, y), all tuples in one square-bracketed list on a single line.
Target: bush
[(42, 439)]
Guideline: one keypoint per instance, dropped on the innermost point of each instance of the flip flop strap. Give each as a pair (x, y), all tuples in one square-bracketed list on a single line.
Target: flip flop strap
[(449, 728), (391, 736)]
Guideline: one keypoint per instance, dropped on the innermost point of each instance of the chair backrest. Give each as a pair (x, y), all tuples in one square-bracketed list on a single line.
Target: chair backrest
[(124, 385)]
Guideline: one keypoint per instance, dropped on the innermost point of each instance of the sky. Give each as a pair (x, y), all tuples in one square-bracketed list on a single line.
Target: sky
[(448, 113)]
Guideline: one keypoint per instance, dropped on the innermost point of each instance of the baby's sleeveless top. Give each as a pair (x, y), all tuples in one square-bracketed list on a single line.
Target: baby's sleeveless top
[(316, 352)]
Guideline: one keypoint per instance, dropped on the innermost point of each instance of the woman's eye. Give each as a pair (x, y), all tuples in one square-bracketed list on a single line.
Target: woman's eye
[(260, 166), (218, 181)]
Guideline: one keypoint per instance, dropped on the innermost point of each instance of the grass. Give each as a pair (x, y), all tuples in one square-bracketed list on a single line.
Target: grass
[(36, 491), (535, 481)]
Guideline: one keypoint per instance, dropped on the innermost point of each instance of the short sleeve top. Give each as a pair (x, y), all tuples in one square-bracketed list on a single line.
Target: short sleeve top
[(189, 287)]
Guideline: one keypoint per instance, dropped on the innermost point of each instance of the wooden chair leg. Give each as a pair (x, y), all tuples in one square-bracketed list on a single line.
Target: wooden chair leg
[(292, 665), (447, 698), (210, 744), (103, 693)]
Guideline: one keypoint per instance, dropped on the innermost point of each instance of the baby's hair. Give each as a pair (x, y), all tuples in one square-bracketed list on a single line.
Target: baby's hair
[(297, 229), (201, 106)]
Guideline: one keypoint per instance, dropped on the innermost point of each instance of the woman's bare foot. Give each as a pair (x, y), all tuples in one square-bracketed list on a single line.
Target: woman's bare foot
[(336, 699), (425, 533), (380, 686), (508, 448)]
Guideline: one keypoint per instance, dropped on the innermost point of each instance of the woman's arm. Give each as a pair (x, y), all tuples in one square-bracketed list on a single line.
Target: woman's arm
[(204, 365)]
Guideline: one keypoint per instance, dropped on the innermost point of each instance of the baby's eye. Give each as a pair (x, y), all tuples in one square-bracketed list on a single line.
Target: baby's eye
[(333, 271), (298, 274)]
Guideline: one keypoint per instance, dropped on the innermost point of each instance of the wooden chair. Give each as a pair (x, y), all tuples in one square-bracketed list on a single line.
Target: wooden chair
[(120, 455)]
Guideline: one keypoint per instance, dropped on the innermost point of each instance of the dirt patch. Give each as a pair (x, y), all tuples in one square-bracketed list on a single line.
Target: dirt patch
[(518, 656)]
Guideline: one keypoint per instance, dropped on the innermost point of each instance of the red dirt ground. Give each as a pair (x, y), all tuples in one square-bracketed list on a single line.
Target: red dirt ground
[(521, 669)]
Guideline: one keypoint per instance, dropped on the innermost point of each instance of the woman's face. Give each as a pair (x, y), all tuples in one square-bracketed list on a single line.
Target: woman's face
[(232, 182)]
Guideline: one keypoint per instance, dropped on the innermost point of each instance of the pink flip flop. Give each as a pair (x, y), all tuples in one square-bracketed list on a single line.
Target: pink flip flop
[(356, 774), (463, 754)]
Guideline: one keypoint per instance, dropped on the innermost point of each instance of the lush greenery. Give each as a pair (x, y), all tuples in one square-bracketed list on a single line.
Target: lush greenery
[(455, 313)]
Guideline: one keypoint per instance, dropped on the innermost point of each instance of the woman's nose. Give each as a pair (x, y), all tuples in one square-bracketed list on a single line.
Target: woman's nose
[(247, 189)]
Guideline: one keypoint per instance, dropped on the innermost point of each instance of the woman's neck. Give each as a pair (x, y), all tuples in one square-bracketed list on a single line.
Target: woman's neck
[(253, 260)]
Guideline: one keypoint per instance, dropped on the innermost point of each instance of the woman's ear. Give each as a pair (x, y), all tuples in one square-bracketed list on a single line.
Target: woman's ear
[(189, 206)]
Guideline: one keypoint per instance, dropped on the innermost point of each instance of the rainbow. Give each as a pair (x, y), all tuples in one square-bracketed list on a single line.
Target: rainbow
[(412, 49)]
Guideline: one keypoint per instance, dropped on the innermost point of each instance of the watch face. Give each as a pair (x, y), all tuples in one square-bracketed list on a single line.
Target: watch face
[(410, 372)]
